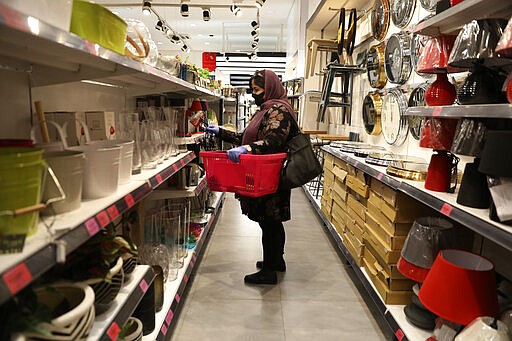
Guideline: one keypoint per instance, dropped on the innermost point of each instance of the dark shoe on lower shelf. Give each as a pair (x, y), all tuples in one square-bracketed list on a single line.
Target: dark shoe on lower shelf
[(261, 277), (282, 268)]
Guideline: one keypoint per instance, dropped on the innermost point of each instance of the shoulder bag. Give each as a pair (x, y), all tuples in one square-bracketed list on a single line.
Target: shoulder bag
[(301, 164)]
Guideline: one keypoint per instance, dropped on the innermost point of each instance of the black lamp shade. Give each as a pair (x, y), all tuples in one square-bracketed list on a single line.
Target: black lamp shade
[(469, 137), (482, 86), (496, 157), (473, 190), (476, 43)]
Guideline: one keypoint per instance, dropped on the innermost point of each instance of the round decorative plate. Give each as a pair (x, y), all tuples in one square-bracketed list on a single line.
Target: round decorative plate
[(416, 99), (375, 66), (393, 120), (385, 159), (402, 11), (397, 58), (380, 19), (408, 170), (372, 107)]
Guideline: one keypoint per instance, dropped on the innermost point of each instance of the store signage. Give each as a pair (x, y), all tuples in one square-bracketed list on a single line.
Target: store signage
[(209, 61)]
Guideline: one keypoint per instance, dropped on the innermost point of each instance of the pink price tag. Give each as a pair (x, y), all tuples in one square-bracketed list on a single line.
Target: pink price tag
[(17, 278), (380, 176), (113, 331), (129, 200), (163, 329), (113, 212), (194, 257), (446, 209), (143, 286), (356, 163), (103, 218), (399, 334), (437, 111), (92, 226), (169, 317), (185, 277), (175, 167), (177, 297), (182, 162), (159, 178)]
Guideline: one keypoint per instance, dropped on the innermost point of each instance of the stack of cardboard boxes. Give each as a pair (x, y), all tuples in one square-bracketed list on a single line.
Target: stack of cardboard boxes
[(373, 220)]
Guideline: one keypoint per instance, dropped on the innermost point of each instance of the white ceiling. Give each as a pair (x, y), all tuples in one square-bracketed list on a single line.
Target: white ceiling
[(225, 32)]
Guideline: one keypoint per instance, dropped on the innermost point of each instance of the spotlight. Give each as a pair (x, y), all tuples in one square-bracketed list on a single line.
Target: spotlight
[(184, 10), (227, 59), (185, 48), (235, 9), (255, 25), (175, 39), (160, 25), (255, 33), (259, 3), (146, 8), (206, 14), (254, 45), (256, 39)]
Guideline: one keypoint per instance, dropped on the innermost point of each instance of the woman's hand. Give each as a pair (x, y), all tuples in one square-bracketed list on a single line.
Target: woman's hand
[(212, 130), (234, 153)]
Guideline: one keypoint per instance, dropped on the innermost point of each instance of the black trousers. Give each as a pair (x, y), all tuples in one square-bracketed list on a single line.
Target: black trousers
[(272, 239)]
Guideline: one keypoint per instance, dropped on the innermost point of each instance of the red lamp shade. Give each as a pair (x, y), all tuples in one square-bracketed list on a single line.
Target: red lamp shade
[(435, 55), (196, 106), (438, 133), (509, 90), (504, 46), (454, 2), (411, 271), (460, 287)]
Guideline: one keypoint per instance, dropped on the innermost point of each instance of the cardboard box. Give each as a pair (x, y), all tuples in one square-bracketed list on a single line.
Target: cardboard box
[(339, 173), (328, 160), (338, 223), (392, 242), (353, 226), (101, 124), (74, 130), (406, 209), (354, 247), (357, 207), (374, 198), (341, 164), (393, 229), (339, 212), (387, 193), (382, 252), (328, 177), (358, 186), (341, 192), (393, 283), (390, 296), (391, 269)]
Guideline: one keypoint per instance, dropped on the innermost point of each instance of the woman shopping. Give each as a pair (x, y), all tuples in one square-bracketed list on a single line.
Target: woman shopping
[(267, 133)]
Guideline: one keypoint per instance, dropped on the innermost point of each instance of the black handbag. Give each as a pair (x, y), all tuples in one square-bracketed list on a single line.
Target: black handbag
[(301, 164)]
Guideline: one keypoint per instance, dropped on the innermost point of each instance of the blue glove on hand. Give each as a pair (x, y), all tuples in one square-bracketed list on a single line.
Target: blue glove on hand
[(234, 153), (212, 130)]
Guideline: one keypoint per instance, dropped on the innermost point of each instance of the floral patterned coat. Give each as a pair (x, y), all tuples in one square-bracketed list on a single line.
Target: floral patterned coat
[(276, 128)]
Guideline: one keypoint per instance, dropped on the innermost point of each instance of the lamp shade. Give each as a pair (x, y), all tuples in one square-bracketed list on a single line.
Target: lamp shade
[(504, 46), (438, 133), (469, 137), (496, 158), (435, 55), (460, 287), (476, 43), (426, 237), (482, 86), (509, 90), (196, 105)]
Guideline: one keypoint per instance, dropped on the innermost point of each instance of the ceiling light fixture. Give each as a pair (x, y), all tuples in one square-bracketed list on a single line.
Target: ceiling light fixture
[(254, 45), (184, 10), (260, 3), (255, 25), (159, 25), (206, 14), (235, 9), (146, 8)]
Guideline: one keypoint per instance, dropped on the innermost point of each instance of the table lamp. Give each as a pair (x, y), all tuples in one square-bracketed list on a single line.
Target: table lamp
[(460, 287), (438, 133), (434, 60)]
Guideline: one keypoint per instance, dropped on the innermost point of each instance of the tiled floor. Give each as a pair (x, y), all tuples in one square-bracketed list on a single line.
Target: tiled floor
[(315, 298)]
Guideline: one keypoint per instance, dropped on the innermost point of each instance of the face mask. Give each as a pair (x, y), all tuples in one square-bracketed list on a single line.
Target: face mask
[(258, 99)]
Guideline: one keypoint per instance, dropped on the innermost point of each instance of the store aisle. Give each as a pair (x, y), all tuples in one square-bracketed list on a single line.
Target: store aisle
[(315, 298)]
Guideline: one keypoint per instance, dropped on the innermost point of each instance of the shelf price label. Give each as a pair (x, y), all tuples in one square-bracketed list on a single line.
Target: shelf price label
[(91, 226), (356, 163), (177, 297), (169, 317), (113, 212), (159, 178), (379, 177), (129, 200), (113, 331), (185, 278), (143, 285), (437, 111), (175, 167), (163, 329), (103, 218), (446, 209), (17, 278), (399, 334)]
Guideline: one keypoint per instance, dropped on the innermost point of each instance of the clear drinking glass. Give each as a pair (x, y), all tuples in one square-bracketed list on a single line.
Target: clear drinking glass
[(149, 145), (128, 128)]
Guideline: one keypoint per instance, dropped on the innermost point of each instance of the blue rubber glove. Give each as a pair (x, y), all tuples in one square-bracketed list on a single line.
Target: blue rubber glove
[(212, 130), (234, 153)]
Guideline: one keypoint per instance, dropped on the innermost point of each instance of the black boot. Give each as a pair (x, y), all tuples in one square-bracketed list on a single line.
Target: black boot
[(263, 276), (280, 268)]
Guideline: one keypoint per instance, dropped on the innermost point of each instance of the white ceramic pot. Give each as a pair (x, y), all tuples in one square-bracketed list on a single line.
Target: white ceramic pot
[(135, 331), (126, 157), (76, 323), (101, 171)]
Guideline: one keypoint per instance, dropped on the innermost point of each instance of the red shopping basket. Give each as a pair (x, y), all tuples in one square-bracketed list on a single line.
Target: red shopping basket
[(252, 176)]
